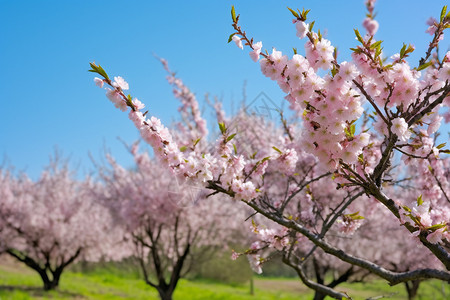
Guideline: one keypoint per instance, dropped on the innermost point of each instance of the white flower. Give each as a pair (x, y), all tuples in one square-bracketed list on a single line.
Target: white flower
[(400, 128), (302, 29), (98, 82), (238, 41), (120, 82)]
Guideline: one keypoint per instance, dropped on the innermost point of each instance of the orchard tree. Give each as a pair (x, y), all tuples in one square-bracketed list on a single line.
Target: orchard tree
[(170, 224), (359, 120), (49, 223), (351, 232)]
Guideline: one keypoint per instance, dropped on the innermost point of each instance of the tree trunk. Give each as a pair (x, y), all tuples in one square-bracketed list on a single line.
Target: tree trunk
[(319, 296), (165, 294), (412, 287), (50, 284)]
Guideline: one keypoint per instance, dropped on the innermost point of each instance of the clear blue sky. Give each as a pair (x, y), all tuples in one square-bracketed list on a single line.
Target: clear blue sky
[(49, 99)]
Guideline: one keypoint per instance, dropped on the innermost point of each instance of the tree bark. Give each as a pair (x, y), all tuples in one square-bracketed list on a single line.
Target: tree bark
[(412, 287), (165, 294)]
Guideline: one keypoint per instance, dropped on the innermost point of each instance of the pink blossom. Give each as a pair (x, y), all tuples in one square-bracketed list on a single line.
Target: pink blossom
[(98, 82), (119, 82), (116, 98), (255, 263), (256, 51), (434, 125), (302, 29), (400, 128), (370, 25), (436, 236), (238, 41), (138, 104)]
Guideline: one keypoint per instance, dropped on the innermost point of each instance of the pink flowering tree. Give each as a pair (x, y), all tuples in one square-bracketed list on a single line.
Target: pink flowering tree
[(316, 203), (168, 222), (168, 227), (359, 120), (49, 223)]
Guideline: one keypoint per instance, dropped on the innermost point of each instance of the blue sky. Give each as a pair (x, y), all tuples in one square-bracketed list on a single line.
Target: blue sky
[(49, 99)]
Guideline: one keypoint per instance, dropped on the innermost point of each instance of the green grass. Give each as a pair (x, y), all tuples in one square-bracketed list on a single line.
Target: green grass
[(19, 282)]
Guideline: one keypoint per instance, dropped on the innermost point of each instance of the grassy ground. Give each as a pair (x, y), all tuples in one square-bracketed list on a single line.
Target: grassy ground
[(19, 282)]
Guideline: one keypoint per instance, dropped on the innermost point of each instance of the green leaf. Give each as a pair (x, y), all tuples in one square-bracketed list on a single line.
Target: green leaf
[(378, 51), (183, 148), (402, 51), (235, 149), (233, 14), (375, 45), (355, 216), (352, 129), (347, 133), (358, 36), (424, 66), (443, 12), (311, 25), (276, 149), (361, 158), (231, 37), (406, 208), (334, 71), (294, 13), (440, 146), (99, 70), (222, 128), (436, 227), (305, 13), (196, 141), (265, 158), (231, 137), (419, 200)]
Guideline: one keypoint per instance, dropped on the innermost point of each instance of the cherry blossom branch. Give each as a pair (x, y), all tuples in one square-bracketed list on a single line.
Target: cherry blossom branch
[(445, 93), (327, 224), (440, 27), (323, 289), (372, 102), (392, 277), (436, 249)]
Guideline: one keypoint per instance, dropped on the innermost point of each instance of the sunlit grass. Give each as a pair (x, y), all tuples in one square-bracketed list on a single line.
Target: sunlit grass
[(18, 282)]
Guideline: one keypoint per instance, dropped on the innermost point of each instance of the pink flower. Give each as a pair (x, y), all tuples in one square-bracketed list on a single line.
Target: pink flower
[(234, 255), (370, 25), (120, 83), (98, 82), (400, 128), (432, 27), (436, 236), (138, 104), (238, 41), (302, 29), (434, 125), (255, 263), (256, 51)]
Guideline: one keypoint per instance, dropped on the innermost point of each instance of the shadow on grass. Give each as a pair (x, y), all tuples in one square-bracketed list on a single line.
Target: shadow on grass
[(39, 292)]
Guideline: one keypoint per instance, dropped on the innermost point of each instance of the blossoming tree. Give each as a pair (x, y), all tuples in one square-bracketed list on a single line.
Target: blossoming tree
[(359, 120), (49, 223), (169, 222), (351, 232)]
